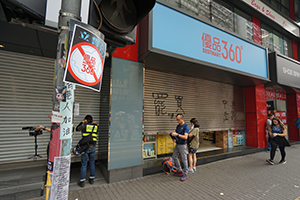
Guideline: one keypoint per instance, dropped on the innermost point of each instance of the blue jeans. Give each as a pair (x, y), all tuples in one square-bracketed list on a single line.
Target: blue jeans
[(88, 154)]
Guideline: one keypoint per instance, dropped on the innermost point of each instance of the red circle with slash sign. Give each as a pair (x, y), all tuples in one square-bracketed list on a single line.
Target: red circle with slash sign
[(80, 47)]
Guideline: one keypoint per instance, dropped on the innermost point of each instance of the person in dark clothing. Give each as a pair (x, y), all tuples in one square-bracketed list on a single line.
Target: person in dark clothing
[(268, 129), (277, 138), (87, 128), (181, 135)]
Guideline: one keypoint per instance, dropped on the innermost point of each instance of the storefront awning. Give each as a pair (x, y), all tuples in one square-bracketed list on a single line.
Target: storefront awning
[(198, 69), (285, 72)]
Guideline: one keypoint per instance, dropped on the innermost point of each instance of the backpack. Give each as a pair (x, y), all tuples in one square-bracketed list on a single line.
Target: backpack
[(84, 144), (168, 167)]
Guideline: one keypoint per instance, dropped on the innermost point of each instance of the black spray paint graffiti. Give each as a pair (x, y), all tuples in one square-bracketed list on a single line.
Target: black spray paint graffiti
[(159, 103), (229, 115), (179, 104), (160, 106)]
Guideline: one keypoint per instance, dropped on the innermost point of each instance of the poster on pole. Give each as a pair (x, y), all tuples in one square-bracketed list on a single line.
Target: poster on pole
[(86, 57), (60, 178)]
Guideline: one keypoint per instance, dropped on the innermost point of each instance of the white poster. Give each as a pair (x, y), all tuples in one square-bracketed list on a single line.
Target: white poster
[(76, 109), (57, 117), (60, 178)]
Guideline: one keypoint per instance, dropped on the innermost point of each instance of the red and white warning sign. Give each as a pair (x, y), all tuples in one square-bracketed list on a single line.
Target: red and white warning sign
[(85, 59)]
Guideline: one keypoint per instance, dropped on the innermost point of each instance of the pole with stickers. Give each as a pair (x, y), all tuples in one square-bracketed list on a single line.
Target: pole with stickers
[(59, 154)]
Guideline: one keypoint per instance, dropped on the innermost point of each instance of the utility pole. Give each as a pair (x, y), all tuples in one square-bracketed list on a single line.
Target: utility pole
[(59, 156)]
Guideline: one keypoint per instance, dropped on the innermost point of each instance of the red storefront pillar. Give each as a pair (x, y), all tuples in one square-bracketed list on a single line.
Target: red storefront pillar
[(295, 50), (293, 112), (256, 115)]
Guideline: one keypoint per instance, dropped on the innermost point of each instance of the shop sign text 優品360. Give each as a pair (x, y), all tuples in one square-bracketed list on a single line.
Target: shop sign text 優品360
[(187, 38), (220, 48)]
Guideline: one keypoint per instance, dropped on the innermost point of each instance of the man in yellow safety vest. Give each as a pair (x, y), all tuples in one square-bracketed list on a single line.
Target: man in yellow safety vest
[(88, 128)]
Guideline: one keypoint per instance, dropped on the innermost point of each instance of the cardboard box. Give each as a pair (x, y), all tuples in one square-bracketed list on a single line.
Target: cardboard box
[(221, 139)]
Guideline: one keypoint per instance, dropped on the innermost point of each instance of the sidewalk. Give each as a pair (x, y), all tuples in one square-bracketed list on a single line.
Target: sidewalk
[(245, 177)]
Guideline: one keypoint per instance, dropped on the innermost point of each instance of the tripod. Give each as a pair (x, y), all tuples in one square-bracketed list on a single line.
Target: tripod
[(35, 156)]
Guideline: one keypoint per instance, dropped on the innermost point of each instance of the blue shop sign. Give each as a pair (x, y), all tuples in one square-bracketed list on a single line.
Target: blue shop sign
[(180, 34)]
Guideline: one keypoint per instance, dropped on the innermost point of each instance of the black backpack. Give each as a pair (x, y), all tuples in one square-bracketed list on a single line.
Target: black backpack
[(84, 144)]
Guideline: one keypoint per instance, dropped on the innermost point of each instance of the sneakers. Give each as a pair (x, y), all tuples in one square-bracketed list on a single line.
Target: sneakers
[(191, 171), (178, 174), (270, 161), (80, 183), (184, 177), (282, 162), (194, 169), (91, 181)]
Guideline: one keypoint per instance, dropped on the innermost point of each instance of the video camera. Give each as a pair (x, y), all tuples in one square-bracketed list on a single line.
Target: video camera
[(32, 131), (173, 137)]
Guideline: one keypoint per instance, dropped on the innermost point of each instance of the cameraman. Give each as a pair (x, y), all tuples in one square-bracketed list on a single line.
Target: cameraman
[(43, 128), (88, 128)]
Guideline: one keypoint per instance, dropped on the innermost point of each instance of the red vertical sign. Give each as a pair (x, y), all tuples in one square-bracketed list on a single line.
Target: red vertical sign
[(256, 30)]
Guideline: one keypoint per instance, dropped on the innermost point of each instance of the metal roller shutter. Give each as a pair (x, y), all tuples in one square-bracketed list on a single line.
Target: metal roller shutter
[(26, 100), (217, 106), (89, 104)]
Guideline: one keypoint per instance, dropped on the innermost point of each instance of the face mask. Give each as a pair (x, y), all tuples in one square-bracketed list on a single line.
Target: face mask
[(192, 127)]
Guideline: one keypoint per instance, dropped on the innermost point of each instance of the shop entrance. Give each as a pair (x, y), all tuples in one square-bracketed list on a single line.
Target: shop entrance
[(207, 141), (218, 107), (276, 103)]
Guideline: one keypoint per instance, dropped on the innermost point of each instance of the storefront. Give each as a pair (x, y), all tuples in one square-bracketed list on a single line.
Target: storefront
[(276, 102), (200, 71), (26, 100), (283, 93)]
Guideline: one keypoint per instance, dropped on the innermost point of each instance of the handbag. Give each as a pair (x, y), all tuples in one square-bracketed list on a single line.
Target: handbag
[(190, 139)]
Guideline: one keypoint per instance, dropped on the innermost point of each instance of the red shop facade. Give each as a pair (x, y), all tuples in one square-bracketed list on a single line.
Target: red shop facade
[(281, 96), (283, 93)]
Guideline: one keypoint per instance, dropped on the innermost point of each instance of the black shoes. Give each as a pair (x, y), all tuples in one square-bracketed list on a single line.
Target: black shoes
[(91, 181), (270, 161), (282, 162), (80, 183)]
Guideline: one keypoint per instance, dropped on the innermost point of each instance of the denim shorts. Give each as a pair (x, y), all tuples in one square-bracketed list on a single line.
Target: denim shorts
[(192, 150)]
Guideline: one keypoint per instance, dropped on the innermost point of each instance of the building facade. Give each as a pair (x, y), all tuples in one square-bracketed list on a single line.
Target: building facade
[(226, 63)]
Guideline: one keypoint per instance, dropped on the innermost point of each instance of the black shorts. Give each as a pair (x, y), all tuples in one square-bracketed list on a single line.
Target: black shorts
[(192, 150)]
